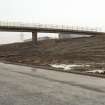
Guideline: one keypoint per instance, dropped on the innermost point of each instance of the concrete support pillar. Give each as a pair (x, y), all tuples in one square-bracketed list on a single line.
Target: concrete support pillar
[(34, 38)]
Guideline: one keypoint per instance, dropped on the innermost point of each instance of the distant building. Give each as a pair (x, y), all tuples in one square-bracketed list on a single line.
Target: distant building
[(65, 35), (39, 39)]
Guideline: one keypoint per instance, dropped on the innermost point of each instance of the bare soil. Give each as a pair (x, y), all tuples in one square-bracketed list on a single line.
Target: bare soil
[(78, 50)]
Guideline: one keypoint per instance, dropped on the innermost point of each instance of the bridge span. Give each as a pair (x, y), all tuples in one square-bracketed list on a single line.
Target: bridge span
[(35, 28)]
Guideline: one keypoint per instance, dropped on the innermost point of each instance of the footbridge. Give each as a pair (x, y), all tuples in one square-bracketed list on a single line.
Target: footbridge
[(46, 28)]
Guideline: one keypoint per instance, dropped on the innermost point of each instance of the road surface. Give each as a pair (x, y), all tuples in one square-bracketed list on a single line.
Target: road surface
[(20, 85)]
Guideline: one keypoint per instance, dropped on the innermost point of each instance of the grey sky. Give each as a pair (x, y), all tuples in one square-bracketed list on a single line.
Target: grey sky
[(69, 12), (75, 12)]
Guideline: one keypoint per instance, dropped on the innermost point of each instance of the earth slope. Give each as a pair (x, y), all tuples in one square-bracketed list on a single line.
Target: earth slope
[(78, 50)]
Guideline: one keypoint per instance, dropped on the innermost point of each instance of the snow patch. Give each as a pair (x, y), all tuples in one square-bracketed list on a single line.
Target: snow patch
[(66, 67), (96, 71)]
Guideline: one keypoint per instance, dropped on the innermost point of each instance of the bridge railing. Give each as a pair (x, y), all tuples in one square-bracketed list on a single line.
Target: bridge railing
[(48, 26)]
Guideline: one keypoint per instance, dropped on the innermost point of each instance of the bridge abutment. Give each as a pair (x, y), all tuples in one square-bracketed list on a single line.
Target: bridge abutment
[(34, 38)]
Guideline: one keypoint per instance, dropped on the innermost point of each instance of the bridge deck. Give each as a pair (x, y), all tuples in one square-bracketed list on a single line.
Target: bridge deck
[(24, 27)]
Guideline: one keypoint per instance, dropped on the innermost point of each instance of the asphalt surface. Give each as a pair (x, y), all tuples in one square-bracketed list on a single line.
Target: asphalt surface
[(21, 85)]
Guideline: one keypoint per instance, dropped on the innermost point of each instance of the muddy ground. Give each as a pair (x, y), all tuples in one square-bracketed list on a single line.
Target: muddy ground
[(79, 50), (87, 50)]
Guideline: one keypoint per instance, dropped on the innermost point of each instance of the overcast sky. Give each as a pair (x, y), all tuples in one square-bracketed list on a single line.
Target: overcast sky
[(69, 12)]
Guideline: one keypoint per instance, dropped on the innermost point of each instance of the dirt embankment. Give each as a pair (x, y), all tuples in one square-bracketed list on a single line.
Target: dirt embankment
[(77, 50)]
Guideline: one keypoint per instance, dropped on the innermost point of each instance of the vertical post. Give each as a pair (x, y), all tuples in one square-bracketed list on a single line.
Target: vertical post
[(34, 38)]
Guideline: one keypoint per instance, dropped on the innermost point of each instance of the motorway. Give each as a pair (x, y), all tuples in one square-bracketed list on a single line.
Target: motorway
[(20, 85)]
